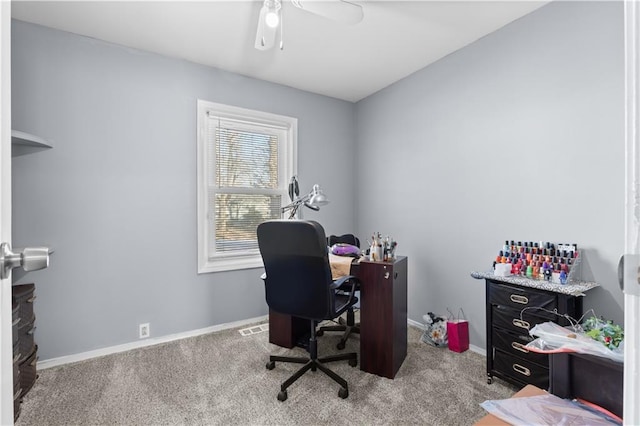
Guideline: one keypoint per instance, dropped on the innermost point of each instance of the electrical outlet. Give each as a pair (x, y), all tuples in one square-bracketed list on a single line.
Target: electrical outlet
[(145, 330)]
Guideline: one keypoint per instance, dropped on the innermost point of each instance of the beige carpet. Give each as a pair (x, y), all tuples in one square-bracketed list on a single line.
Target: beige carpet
[(220, 378)]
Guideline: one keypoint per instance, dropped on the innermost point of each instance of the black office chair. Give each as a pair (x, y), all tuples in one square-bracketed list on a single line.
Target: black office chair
[(350, 326), (298, 283)]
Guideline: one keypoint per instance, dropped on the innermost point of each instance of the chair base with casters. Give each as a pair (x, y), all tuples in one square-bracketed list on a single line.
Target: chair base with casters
[(349, 327), (313, 363)]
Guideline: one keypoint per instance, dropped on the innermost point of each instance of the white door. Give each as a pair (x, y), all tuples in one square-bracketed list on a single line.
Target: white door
[(6, 347), (631, 413)]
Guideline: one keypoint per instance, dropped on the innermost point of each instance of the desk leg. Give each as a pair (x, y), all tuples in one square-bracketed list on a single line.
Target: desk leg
[(285, 330)]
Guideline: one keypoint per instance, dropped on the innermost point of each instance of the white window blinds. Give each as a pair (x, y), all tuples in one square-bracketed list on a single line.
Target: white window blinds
[(245, 184), (248, 162)]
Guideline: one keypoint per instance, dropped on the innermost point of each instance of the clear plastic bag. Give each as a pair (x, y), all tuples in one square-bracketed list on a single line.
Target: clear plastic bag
[(544, 410), (435, 332), (553, 338)]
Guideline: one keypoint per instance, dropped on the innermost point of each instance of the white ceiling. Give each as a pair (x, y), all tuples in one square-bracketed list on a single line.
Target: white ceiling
[(395, 38)]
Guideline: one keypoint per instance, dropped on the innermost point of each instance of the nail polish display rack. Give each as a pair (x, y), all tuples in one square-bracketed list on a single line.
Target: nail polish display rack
[(558, 257)]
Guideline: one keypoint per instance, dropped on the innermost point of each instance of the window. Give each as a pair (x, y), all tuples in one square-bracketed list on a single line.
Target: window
[(245, 159)]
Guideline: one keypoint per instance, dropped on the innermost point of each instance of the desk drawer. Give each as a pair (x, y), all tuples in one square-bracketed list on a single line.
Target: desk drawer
[(521, 369), (515, 320), (520, 297), (513, 344)]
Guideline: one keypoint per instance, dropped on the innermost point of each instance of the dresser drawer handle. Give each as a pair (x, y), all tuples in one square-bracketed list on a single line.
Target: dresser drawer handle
[(35, 360), (520, 323), (522, 370), (519, 347), (31, 299), (17, 394), (15, 322), (517, 298), (17, 357), (30, 332)]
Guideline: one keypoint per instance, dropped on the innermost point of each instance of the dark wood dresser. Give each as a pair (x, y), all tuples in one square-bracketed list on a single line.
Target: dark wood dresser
[(514, 305), (508, 325), (24, 347)]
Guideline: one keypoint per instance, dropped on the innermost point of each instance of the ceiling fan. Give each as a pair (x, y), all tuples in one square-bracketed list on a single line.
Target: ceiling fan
[(270, 20)]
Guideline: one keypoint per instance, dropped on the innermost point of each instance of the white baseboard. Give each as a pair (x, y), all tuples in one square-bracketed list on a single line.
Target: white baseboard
[(83, 356), (415, 323), (68, 359), (472, 348)]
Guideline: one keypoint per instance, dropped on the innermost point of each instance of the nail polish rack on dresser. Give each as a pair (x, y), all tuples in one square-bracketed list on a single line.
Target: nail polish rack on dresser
[(519, 295)]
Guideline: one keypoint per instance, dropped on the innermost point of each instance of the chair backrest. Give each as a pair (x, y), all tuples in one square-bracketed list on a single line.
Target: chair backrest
[(297, 268), (344, 239)]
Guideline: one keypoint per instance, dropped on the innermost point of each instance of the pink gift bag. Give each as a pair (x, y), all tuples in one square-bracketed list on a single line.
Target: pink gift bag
[(458, 333)]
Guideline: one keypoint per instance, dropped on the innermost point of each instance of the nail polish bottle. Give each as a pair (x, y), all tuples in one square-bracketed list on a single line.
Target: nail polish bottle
[(563, 277), (529, 271), (547, 271), (555, 275)]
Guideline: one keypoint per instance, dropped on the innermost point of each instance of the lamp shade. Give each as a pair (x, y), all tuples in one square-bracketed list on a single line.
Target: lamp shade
[(318, 198)]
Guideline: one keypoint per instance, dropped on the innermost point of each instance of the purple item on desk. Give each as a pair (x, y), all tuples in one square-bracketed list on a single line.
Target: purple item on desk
[(341, 249)]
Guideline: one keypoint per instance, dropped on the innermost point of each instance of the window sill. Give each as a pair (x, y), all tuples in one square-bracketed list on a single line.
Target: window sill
[(225, 264)]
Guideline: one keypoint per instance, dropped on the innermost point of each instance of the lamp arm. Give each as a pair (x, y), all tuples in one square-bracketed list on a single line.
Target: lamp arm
[(295, 204)]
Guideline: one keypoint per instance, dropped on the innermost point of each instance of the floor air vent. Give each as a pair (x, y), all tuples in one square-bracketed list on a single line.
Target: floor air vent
[(254, 330)]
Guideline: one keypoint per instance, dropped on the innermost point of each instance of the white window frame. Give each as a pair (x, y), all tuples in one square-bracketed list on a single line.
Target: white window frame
[(287, 158)]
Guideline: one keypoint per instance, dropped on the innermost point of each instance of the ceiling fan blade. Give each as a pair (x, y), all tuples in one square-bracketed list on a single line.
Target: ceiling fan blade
[(265, 35), (336, 10)]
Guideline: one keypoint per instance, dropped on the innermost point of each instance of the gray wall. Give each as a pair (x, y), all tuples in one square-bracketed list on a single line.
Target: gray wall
[(116, 196), (517, 136)]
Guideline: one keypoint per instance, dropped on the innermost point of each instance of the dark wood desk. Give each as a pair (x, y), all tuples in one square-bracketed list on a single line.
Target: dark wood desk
[(383, 317)]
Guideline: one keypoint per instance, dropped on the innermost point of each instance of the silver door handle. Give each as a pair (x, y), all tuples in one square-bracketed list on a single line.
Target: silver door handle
[(31, 259)]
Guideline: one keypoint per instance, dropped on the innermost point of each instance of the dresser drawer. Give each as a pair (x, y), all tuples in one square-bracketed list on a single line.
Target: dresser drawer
[(519, 298), (515, 320), (521, 369), (28, 372), (24, 295), (514, 344)]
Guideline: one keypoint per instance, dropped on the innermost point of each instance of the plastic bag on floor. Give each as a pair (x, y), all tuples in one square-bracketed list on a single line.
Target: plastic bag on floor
[(544, 410), (435, 332)]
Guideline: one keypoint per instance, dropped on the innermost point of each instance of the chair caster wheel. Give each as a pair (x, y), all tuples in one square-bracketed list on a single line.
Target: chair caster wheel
[(271, 365), (319, 333), (343, 393), (340, 345), (489, 381), (314, 368), (353, 362), (282, 395)]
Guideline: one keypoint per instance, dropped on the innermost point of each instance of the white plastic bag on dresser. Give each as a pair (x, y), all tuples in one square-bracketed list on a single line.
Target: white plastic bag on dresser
[(553, 338)]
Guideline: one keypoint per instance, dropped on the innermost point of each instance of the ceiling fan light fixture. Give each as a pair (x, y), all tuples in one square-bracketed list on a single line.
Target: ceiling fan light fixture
[(272, 17)]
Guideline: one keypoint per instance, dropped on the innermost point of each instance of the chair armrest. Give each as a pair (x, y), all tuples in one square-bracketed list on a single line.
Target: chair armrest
[(337, 283), (343, 280), (263, 276)]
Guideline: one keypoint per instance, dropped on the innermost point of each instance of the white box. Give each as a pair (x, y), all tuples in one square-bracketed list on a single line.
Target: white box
[(502, 270)]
